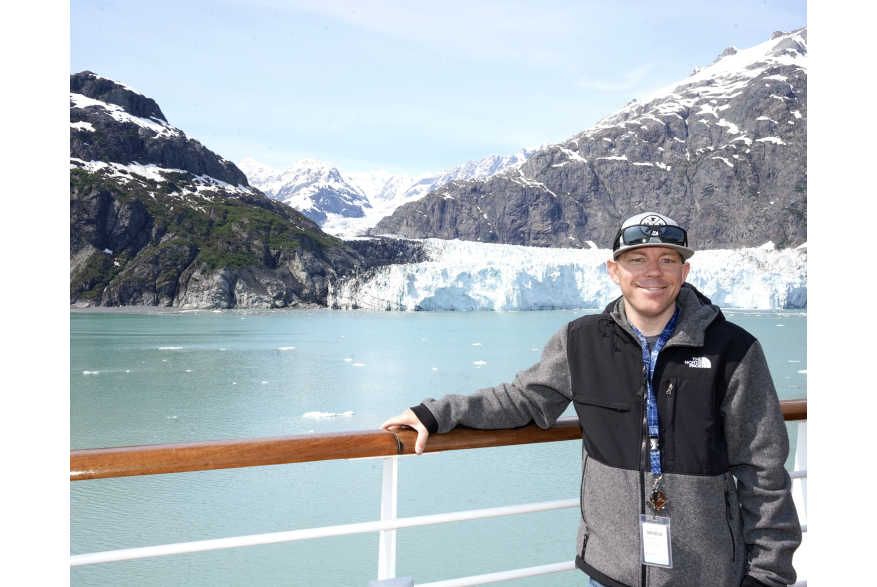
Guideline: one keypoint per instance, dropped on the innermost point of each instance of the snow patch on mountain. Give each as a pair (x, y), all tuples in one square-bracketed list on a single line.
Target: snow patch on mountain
[(348, 204), (152, 172), (719, 81), (465, 276), (160, 127)]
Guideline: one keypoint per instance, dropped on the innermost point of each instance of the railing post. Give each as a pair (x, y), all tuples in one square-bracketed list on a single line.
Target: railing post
[(389, 493), (799, 496)]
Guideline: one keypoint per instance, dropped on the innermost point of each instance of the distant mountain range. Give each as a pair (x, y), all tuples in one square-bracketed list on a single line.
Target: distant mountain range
[(348, 204), (723, 152)]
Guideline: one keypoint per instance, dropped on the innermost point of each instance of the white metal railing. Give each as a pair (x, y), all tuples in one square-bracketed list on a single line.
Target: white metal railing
[(385, 527), (389, 523)]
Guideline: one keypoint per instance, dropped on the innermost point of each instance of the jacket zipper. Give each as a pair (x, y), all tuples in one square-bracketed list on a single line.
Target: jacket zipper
[(643, 461), (728, 516), (670, 421)]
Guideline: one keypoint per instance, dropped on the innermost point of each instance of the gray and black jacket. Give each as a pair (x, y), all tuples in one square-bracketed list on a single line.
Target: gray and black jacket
[(720, 419)]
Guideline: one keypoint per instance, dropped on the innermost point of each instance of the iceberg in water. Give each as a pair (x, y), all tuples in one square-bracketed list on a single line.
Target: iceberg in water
[(325, 414), (463, 275)]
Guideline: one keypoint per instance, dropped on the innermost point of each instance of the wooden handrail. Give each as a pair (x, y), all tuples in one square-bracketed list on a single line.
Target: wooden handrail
[(101, 463)]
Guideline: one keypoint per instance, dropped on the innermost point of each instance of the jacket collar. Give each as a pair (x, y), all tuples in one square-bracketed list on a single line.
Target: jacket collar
[(696, 313)]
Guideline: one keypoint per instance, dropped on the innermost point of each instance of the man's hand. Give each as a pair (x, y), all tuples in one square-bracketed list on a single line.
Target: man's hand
[(408, 419)]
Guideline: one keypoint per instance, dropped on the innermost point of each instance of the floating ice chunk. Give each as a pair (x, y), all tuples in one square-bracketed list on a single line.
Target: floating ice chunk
[(169, 348), (476, 344), (535, 349), (359, 364), (794, 361), (222, 349), (128, 371), (325, 415), (217, 311), (804, 371), (480, 363), (780, 324), (234, 382), (435, 368), (348, 359), (90, 372), (188, 370), (264, 382), (285, 348)]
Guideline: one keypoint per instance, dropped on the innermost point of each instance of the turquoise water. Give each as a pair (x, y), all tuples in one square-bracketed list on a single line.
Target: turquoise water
[(144, 395)]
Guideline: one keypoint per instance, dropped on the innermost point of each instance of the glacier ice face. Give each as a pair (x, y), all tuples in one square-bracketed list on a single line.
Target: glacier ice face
[(466, 276)]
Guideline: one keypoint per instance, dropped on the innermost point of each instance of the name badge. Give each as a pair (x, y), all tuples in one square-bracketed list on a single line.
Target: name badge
[(655, 541)]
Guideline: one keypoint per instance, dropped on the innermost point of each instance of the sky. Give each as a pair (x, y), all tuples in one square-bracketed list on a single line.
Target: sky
[(405, 86)]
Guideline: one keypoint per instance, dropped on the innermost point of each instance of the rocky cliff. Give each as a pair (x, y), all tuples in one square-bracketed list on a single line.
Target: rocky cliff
[(157, 219), (723, 152)]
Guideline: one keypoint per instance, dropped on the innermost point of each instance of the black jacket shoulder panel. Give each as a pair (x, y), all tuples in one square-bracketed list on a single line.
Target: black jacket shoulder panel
[(586, 321)]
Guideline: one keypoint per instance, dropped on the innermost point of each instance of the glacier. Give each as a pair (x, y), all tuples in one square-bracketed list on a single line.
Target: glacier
[(470, 276)]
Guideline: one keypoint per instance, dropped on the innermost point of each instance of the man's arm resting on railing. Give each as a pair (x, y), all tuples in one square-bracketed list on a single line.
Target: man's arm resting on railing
[(538, 395)]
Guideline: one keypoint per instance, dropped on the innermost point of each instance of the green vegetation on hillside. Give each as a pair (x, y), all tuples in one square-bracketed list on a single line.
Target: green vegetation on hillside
[(227, 229)]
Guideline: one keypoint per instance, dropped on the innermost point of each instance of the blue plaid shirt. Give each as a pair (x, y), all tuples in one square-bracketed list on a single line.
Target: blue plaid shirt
[(650, 358)]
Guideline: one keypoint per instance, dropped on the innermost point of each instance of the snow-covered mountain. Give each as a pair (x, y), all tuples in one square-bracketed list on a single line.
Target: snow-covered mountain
[(723, 152), (314, 188), (463, 275), (158, 219), (348, 204)]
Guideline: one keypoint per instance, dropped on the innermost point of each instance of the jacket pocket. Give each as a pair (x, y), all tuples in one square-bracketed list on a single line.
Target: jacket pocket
[(692, 430), (585, 529), (667, 393), (728, 519), (604, 403)]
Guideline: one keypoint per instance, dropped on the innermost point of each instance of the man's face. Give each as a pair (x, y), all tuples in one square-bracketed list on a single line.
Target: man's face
[(650, 278)]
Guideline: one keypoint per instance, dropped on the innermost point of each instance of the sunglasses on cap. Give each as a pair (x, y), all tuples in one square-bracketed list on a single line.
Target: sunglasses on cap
[(641, 234)]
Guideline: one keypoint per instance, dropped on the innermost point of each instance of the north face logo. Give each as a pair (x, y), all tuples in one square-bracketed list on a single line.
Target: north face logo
[(699, 363)]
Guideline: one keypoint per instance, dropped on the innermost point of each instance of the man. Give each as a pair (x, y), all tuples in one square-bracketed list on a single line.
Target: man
[(675, 403)]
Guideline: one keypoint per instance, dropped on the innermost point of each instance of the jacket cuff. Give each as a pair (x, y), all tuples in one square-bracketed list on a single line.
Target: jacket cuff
[(426, 418), (750, 581)]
